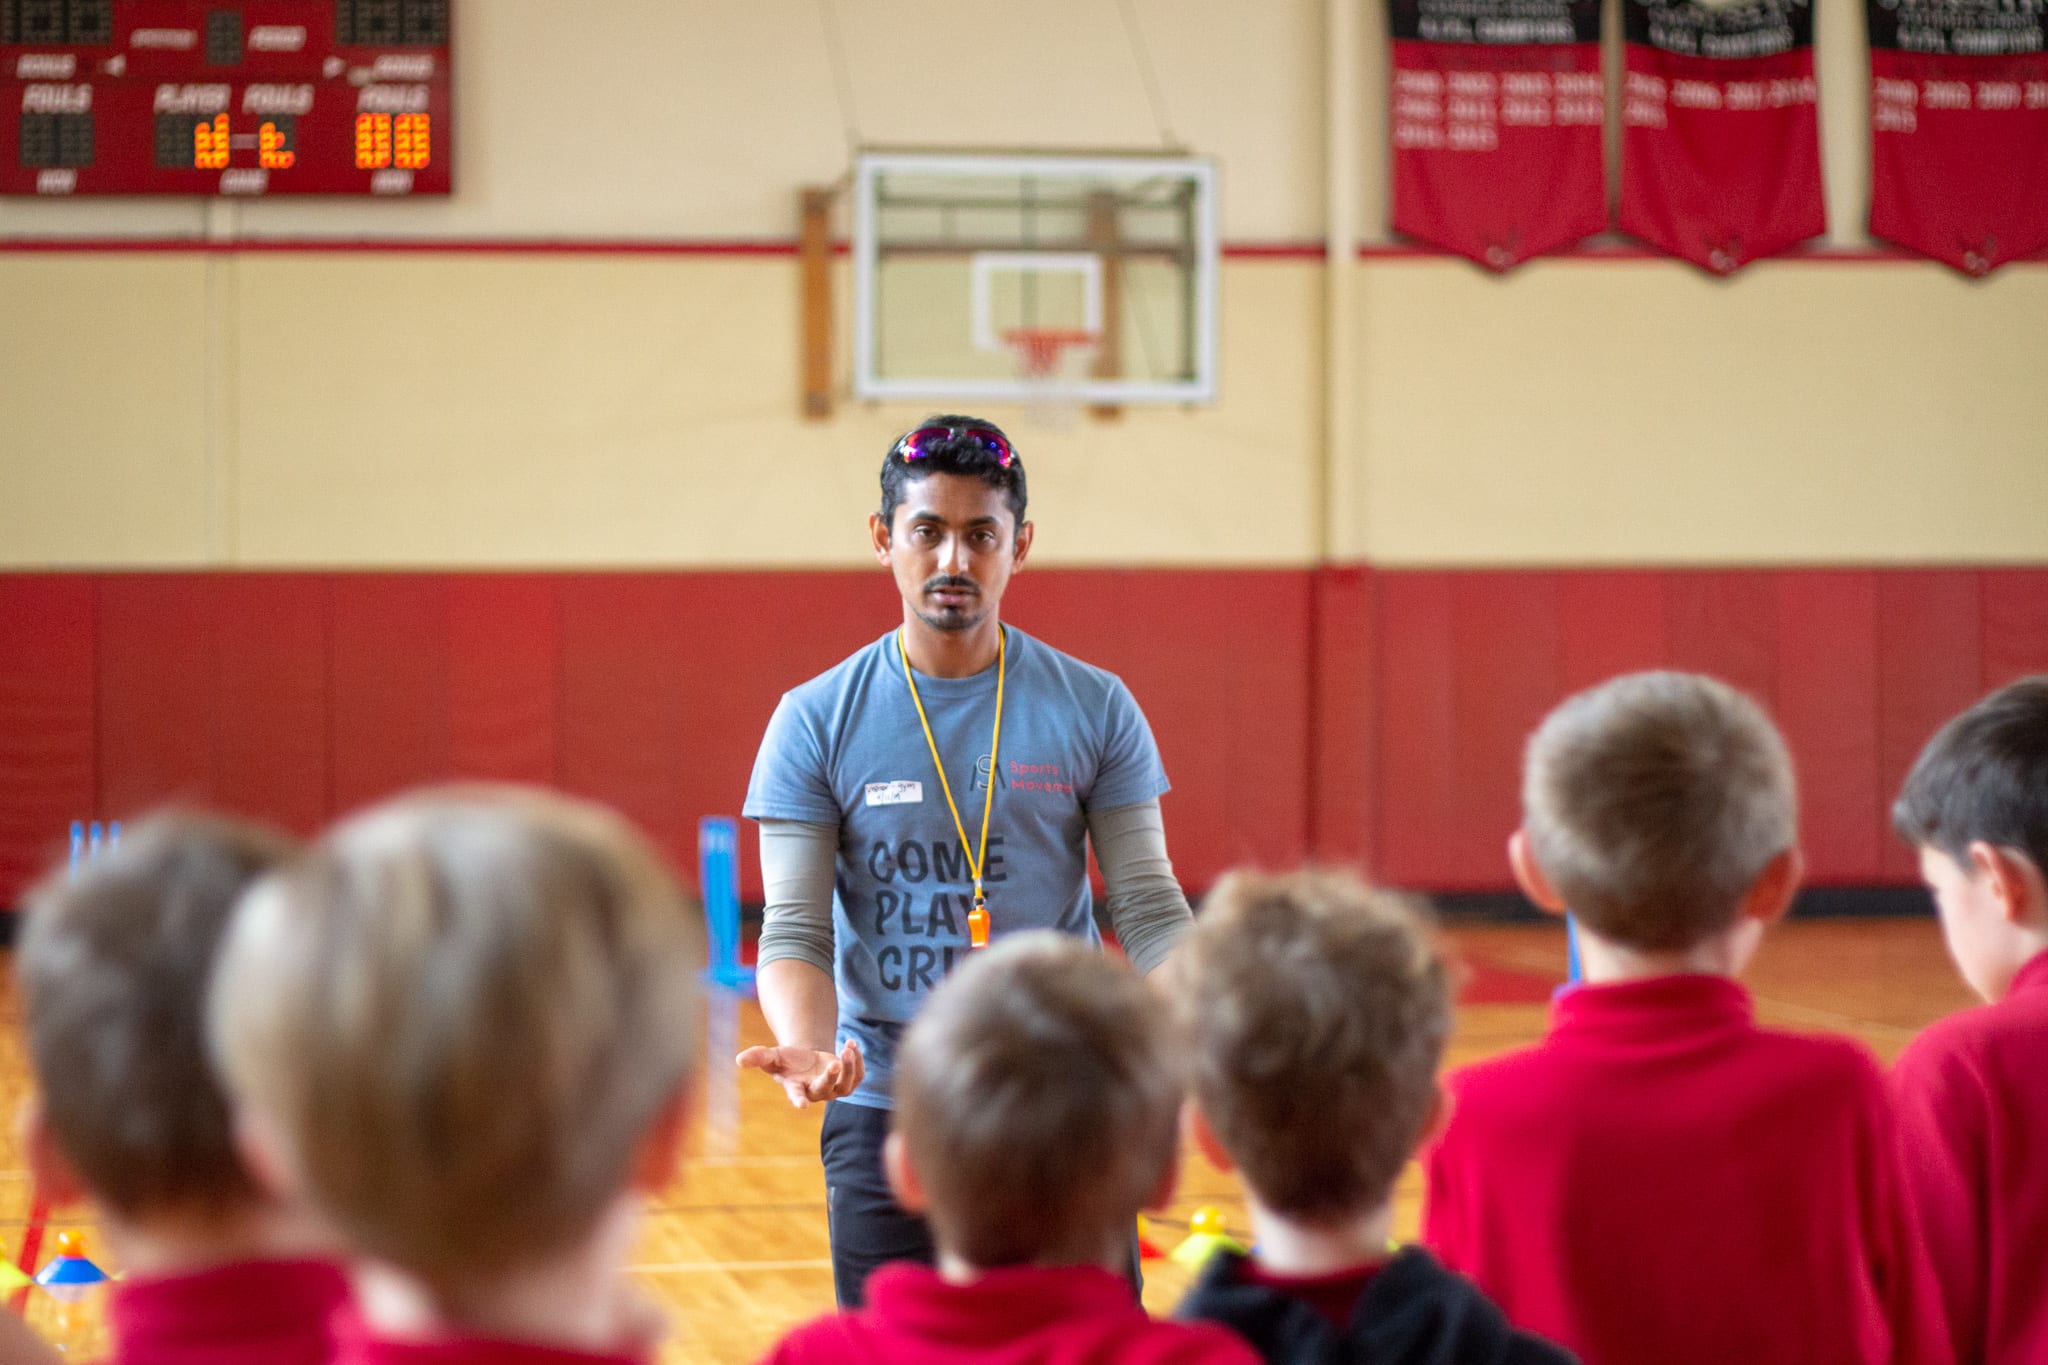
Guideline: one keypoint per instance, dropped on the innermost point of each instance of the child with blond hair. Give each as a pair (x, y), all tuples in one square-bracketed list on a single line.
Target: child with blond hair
[(463, 1029)]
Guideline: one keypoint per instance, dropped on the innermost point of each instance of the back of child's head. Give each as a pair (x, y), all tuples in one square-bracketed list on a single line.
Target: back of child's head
[(457, 1019), (1037, 1097), (1316, 1011), (1654, 802), (1984, 776), (114, 966)]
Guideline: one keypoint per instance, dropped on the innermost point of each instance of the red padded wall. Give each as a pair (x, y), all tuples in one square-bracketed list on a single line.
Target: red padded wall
[(47, 740), (504, 695), (2015, 624), (272, 700), (1826, 700), (387, 677), (1609, 622), (1343, 703), (1418, 803), (1219, 662), (1929, 666), (159, 648), (1374, 716)]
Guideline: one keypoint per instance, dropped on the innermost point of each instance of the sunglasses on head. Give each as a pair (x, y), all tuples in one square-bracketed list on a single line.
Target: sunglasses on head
[(919, 443)]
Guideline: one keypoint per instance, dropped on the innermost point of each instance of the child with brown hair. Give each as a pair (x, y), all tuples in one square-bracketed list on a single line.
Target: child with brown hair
[(1036, 1096), (463, 1028), (114, 964), (1316, 1011), (1660, 1179), (1972, 1090)]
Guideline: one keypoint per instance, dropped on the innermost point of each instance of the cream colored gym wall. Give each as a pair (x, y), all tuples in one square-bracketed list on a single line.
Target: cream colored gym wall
[(667, 119), (104, 385), (560, 410), (1638, 412)]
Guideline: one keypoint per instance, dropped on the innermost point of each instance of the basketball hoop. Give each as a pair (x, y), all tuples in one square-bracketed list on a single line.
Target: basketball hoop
[(1041, 356)]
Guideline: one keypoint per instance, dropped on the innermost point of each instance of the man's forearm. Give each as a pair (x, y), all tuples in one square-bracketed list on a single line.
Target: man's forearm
[(800, 1004), (795, 973), (1146, 906)]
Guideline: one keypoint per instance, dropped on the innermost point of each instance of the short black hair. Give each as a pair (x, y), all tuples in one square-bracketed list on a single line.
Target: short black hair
[(1984, 776), (955, 455)]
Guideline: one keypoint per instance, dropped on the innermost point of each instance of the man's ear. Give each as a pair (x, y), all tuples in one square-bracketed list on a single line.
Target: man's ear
[(56, 1178), (1530, 877), (1194, 1126), (878, 536), (1771, 896), (903, 1181), (2016, 884), (1024, 536), (659, 1159)]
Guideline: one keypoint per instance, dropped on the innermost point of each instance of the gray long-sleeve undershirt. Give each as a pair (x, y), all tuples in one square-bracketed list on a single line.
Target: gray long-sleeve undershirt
[(1146, 906)]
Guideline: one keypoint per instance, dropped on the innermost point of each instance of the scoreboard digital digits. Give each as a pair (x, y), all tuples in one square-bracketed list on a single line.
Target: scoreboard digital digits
[(220, 97)]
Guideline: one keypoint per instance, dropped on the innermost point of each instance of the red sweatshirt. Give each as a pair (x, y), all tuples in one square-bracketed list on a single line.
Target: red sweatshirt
[(1660, 1180), (1973, 1126), (255, 1313), (355, 1344), (1030, 1315)]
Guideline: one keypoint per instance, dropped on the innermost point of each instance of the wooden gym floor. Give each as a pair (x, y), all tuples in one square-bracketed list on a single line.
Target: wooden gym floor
[(736, 1251)]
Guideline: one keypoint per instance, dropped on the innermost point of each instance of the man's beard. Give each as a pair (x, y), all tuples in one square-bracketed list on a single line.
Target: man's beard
[(951, 618)]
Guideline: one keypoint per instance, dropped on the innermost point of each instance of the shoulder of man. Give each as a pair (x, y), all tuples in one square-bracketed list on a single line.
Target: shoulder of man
[(1090, 685), (824, 689)]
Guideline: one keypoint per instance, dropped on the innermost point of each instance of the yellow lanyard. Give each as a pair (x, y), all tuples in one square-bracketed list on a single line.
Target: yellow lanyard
[(977, 918)]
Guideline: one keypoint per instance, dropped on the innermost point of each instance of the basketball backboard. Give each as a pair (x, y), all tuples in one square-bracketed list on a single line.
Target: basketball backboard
[(964, 265)]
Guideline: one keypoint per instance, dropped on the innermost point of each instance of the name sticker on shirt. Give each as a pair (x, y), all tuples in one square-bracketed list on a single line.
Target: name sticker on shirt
[(895, 793)]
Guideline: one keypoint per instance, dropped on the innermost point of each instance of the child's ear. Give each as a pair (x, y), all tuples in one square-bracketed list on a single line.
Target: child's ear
[(262, 1150), (903, 1181), (1194, 1126), (56, 1178), (1439, 1118), (1772, 894), (1530, 877), (1169, 1180), (660, 1156), (2016, 884)]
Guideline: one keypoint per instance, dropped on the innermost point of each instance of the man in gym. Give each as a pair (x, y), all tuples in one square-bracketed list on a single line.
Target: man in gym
[(938, 788)]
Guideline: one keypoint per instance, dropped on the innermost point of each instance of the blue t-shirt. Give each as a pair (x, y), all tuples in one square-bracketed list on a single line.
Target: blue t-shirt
[(846, 749)]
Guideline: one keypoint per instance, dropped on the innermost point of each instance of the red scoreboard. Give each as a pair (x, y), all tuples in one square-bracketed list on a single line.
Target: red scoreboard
[(224, 97)]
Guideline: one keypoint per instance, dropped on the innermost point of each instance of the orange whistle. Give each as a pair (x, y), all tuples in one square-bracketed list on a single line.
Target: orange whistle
[(977, 927)]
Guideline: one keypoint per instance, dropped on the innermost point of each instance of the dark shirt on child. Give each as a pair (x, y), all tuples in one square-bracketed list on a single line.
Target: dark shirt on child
[(1409, 1311)]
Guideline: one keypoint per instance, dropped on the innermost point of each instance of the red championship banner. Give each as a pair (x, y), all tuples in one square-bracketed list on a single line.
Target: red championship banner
[(1720, 144), (1959, 128), (1498, 107)]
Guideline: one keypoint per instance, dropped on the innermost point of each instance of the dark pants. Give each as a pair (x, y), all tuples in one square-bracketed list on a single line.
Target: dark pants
[(867, 1228)]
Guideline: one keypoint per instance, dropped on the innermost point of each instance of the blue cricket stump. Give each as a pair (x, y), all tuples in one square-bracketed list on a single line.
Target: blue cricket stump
[(718, 878), (90, 839)]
